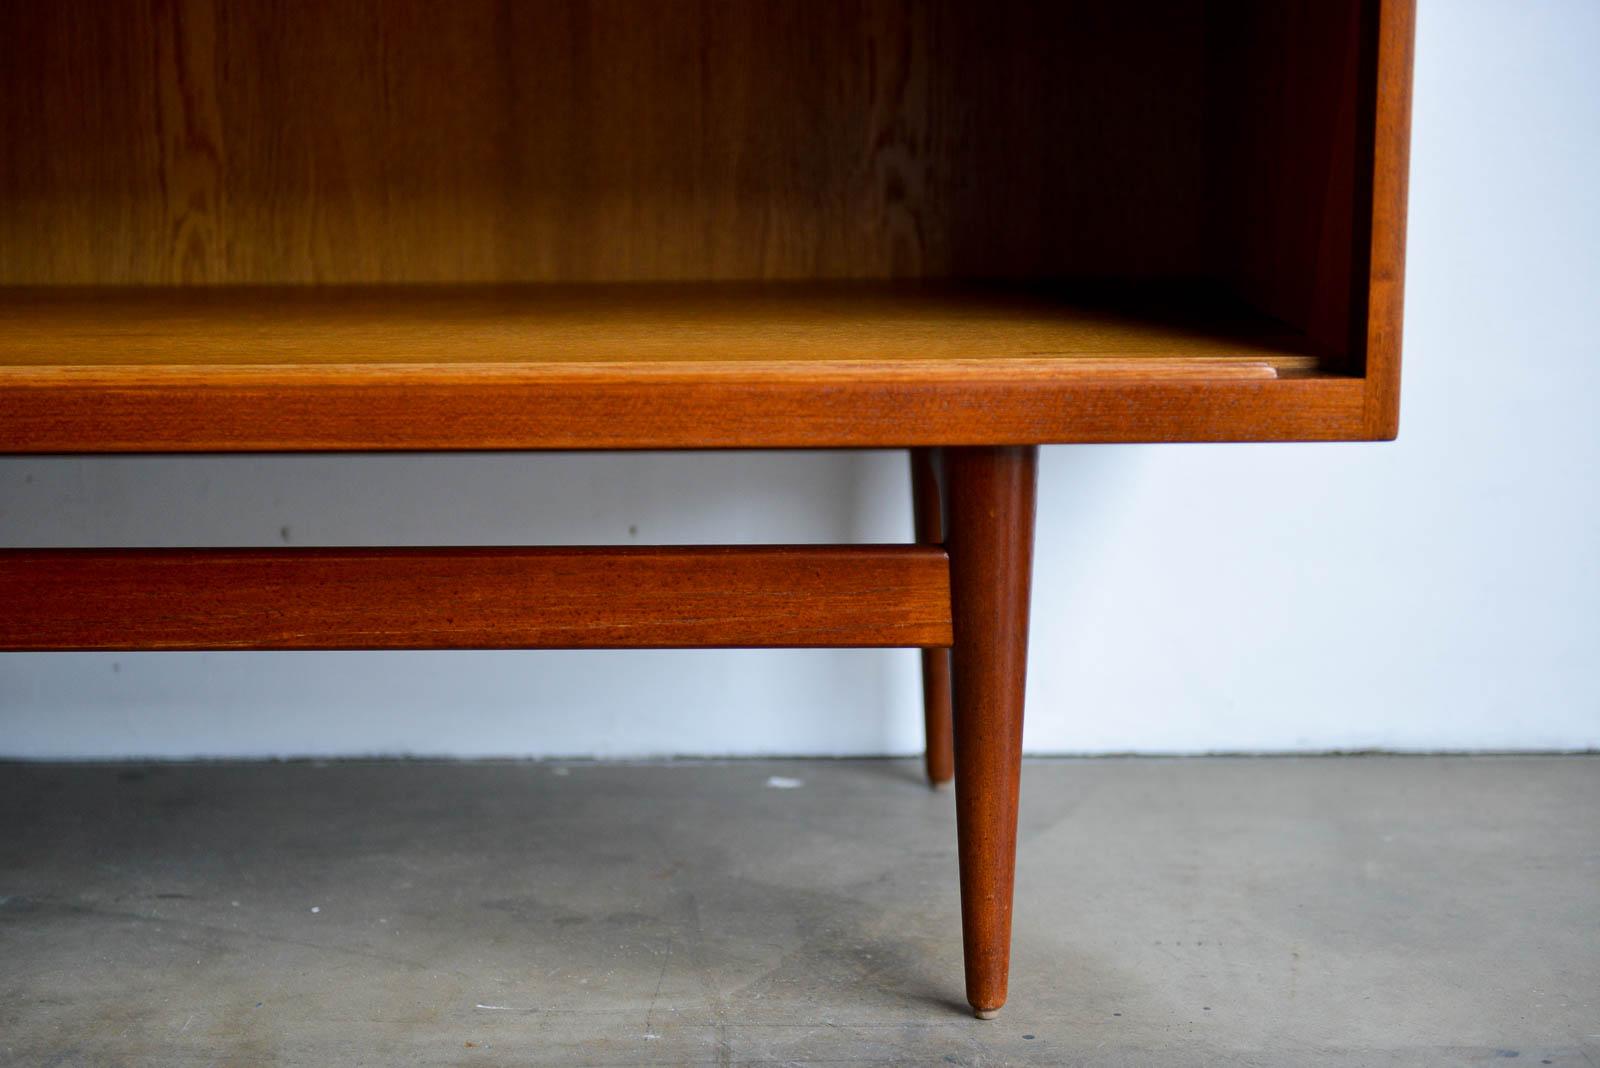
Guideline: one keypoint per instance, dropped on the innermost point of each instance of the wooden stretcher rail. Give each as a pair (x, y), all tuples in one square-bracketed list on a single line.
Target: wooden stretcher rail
[(475, 598)]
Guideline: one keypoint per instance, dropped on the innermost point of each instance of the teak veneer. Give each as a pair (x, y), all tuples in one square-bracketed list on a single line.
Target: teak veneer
[(668, 365), (578, 598), (967, 229)]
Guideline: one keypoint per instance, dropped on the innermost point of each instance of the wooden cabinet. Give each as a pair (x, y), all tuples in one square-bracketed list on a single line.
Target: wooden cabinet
[(968, 227)]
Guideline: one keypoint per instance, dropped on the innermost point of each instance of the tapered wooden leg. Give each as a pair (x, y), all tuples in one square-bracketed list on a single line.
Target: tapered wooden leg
[(926, 514), (989, 501)]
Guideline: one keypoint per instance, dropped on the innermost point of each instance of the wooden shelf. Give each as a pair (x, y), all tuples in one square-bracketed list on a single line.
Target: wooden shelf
[(606, 365), (619, 227), (785, 327)]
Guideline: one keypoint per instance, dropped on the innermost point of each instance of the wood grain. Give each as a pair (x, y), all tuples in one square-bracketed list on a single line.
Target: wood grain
[(582, 598), (1282, 128), (210, 143), (990, 504), (923, 325), (1381, 273), (874, 407), (253, 141), (653, 366)]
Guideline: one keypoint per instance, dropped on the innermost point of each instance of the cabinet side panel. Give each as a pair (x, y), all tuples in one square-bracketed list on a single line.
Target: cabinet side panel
[(1285, 103), (1385, 271)]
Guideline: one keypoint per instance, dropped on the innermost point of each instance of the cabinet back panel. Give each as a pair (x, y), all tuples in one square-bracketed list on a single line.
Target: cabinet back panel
[(253, 141)]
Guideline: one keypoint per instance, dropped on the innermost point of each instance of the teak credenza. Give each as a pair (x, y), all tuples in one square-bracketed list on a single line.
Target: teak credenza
[(965, 228)]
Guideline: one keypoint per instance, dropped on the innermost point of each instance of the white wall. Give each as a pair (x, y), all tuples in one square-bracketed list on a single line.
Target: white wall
[(1439, 592)]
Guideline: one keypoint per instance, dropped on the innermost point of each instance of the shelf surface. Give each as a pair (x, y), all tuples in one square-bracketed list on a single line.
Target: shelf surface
[(778, 364), (787, 326)]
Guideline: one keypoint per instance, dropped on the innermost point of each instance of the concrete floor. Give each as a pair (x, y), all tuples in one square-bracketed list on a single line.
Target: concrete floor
[(1371, 911)]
